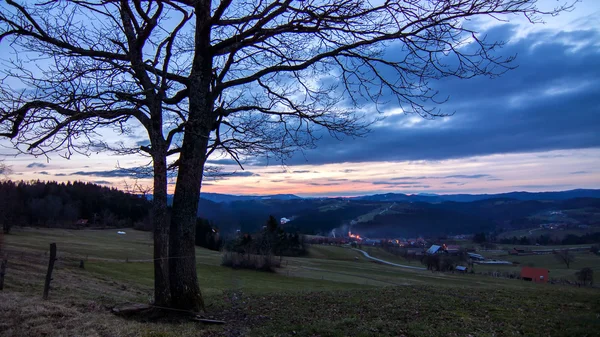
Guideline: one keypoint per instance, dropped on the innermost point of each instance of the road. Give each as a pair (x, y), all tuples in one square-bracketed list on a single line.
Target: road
[(387, 262), (533, 230)]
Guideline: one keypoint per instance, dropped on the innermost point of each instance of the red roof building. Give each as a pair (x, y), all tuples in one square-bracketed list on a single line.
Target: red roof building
[(537, 275)]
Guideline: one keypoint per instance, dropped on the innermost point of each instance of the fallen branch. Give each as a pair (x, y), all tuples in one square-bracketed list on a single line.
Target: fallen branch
[(208, 321)]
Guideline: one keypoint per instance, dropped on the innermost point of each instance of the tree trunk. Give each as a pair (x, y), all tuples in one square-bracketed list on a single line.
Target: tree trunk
[(162, 289), (185, 292)]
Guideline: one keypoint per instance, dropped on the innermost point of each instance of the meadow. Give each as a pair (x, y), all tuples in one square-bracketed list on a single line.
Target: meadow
[(334, 291)]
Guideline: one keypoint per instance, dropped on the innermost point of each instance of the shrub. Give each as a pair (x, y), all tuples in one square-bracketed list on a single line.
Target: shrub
[(250, 261)]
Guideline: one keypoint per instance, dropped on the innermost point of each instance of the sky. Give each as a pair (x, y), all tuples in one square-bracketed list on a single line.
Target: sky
[(535, 128)]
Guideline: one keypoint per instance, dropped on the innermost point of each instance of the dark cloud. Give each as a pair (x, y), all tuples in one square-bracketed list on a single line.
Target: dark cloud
[(338, 179), (117, 173), (44, 173), (495, 179), (301, 171), (60, 175), (454, 176), (277, 181), (547, 187), (395, 183), (550, 102), (102, 182), (238, 174), (467, 176), (37, 165), (223, 161), (579, 172), (458, 183), (323, 184)]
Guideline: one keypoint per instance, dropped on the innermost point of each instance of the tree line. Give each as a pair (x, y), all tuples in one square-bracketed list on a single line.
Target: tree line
[(543, 240), (258, 250), (62, 205)]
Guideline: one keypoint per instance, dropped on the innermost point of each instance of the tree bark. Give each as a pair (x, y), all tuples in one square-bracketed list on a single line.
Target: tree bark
[(185, 292), (160, 219)]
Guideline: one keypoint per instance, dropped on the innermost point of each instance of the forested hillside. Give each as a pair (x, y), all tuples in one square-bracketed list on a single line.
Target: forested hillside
[(55, 204)]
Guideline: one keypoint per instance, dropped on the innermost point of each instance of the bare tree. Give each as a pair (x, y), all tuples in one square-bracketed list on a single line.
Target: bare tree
[(586, 275), (565, 256), (225, 77)]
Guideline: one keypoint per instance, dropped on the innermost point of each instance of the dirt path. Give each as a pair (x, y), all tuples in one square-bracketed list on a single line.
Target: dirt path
[(387, 262)]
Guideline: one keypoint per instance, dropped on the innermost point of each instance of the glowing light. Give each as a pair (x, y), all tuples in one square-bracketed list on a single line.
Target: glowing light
[(354, 236)]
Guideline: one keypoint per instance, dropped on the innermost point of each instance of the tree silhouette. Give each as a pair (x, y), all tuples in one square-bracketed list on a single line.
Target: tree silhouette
[(565, 256), (224, 77)]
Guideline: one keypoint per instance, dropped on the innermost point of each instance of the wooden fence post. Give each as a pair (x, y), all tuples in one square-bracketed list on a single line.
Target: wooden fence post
[(2, 273), (50, 267)]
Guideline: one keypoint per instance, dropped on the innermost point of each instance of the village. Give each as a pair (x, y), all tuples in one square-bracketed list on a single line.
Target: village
[(459, 254)]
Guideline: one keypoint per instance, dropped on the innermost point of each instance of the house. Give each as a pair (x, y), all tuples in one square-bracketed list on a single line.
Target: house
[(537, 275), (452, 249), (434, 249), (476, 256), (516, 251)]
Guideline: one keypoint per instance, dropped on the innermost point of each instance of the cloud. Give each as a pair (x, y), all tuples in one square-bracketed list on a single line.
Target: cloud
[(396, 183), (467, 176), (102, 182), (301, 171), (551, 101), (454, 176), (140, 172), (324, 184), (44, 173), (545, 187), (37, 165), (579, 172), (60, 175), (276, 172), (458, 183), (223, 161), (238, 174)]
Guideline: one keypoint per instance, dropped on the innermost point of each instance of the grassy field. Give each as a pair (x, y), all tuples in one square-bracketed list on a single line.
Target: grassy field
[(557, 269), (328, 293)]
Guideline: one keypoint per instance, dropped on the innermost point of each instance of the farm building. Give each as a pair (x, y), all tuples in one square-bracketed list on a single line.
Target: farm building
[(452, 249), (434, 249), (517, 251), (537, 275), (475, 256)]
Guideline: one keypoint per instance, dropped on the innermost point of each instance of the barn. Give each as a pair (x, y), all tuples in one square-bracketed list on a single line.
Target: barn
[(537, 275)]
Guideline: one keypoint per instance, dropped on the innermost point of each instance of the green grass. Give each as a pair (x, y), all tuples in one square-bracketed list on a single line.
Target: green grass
[(327, 293), (380, 253), (549, 261), (334, 253)]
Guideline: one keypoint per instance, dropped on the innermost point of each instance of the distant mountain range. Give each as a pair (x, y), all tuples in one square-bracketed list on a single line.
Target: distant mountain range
[(423, 197), (401, 215), (433, 198), (217, 197)]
